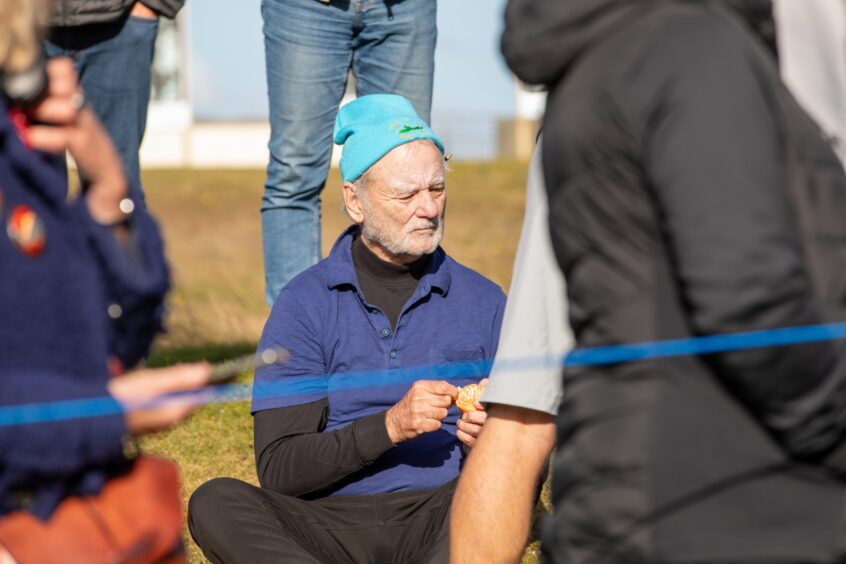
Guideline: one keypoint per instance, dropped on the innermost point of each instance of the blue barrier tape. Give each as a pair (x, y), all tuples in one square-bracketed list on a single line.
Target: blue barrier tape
[(458, 373), (706, 345)]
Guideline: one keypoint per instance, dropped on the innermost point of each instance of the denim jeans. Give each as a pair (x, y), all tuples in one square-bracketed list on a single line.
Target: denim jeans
[(114, 64), (309, 47)]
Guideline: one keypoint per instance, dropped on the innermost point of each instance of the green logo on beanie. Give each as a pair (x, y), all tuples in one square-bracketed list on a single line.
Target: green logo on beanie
[(409, 129), (406, 131)]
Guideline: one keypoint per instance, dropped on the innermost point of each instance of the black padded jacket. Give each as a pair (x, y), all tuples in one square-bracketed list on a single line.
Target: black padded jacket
[(689, 195), (69, 13)]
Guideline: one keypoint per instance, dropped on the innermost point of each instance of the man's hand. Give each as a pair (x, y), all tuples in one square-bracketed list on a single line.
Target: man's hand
[(139, 393), (469, 427), (63, 123), (139, 10), (470, 424), (56, 115), (421, 410)]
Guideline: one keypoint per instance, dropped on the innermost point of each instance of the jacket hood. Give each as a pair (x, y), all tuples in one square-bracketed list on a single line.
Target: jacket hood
[(542, 38)]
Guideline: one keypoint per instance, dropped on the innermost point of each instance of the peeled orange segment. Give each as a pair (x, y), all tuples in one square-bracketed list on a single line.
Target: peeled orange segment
[(467, 397)]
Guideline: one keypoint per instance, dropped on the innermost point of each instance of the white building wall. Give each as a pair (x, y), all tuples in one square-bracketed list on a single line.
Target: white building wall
[(210, 145)]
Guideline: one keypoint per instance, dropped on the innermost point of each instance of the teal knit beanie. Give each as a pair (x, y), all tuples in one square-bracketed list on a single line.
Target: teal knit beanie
[(370, 126)]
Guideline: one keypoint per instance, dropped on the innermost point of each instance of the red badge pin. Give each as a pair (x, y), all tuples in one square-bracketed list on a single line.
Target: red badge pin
[(26, 230)]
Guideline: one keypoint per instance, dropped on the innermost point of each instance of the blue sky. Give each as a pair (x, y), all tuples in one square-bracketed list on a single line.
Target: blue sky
[(471, 80)]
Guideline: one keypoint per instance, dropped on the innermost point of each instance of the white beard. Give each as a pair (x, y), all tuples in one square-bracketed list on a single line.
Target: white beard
[(405, 243)]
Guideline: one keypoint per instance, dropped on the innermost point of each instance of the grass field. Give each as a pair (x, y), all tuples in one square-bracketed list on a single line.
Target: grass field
[(212, 227)]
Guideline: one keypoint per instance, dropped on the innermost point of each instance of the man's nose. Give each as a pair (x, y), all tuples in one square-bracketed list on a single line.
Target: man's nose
[(426, 205)]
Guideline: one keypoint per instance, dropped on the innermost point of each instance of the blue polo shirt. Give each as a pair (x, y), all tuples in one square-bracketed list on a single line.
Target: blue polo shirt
[(344, 349)]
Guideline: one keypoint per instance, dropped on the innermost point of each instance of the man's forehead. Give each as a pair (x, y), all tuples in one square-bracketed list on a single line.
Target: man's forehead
[(410, 167)]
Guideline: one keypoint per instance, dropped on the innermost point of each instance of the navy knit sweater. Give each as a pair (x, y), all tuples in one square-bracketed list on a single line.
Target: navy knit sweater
[(56, 333)]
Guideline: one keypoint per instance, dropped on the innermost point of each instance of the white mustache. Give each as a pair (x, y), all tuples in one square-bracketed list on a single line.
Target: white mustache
[(424, 224)]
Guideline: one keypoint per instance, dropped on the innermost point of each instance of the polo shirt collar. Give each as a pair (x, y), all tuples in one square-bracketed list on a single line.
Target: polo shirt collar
[(341, 270)]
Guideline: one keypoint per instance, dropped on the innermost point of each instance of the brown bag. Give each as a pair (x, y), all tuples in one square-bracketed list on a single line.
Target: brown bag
[(135, 519)]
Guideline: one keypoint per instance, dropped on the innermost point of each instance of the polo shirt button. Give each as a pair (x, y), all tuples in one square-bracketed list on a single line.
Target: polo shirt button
[(386, 333), (393, 354)]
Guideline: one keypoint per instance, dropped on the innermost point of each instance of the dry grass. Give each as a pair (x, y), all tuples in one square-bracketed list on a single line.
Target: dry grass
[(212, 227)]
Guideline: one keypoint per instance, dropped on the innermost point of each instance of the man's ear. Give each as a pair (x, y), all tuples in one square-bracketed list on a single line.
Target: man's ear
[(352, 202)]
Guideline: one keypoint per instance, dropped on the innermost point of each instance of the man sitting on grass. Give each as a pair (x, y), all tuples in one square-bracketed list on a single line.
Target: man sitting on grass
[(357, 445)]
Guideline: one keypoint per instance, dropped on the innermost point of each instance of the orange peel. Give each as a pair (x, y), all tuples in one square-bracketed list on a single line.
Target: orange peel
[(467, 397)]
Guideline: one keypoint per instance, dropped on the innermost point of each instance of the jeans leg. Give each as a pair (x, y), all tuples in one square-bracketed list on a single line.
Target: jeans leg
[(307, 52), (115, 72), (54, 50), (395, 50)]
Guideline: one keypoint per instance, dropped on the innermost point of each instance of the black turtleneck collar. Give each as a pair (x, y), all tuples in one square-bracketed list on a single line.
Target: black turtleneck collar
[(386, 285)]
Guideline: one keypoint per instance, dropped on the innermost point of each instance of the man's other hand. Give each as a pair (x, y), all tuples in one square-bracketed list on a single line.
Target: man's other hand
[(469, 426), (139, 10), (421, 410)]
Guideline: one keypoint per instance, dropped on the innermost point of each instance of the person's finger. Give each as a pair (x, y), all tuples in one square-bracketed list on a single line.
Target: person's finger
[(465, 438), (476, 417), (63, 80), (172, 378), (441, 387), (471, 429), (438, 413), (47, 138), (183, 376), (429, 425), (61, 103), (440, 400), (55, 110)]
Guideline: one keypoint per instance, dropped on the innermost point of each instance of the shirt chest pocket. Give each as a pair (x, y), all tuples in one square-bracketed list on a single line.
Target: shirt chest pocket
[(452, 363)]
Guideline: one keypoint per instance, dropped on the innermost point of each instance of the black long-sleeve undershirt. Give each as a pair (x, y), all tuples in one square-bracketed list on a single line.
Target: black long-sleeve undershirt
[(296, 457)]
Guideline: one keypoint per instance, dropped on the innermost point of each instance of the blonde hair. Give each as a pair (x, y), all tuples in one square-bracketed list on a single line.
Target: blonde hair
[(22, 25)]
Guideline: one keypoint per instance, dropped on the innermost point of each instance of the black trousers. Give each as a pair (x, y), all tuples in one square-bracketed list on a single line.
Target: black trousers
[(233, 522)]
